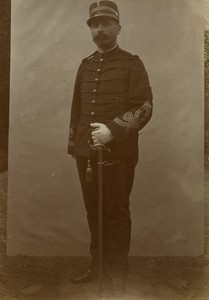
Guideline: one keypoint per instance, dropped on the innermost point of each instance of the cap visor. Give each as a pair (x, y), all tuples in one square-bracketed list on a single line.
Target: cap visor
[(101, 16)]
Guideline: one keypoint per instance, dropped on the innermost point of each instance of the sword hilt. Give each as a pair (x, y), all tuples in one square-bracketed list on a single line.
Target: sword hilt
[(99, 147)]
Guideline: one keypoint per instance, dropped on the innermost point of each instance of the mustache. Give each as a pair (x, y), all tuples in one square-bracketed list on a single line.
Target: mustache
[(100, 35)]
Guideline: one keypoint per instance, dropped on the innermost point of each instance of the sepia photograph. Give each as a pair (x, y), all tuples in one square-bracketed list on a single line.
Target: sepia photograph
[(104, 149)]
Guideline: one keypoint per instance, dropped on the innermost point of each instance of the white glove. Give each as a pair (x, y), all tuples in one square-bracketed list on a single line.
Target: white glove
[(101, 133)]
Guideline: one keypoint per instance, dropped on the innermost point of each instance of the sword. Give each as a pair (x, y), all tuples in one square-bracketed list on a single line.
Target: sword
[(100, 148)]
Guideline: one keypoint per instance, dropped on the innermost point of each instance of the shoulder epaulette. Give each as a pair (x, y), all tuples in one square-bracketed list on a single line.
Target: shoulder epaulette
[(89, 57), (131, 56)]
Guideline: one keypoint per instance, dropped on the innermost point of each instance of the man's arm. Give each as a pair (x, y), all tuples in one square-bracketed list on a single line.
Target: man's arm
[(140, 104)]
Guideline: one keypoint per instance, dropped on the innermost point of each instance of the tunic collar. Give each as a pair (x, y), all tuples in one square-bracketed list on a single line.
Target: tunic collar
[(116, 46), (107, 53)]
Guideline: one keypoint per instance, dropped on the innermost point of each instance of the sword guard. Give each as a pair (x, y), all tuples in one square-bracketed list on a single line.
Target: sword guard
[(98, 147)]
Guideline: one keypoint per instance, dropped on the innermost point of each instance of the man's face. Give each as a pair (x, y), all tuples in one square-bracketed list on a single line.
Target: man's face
[(104, 32)]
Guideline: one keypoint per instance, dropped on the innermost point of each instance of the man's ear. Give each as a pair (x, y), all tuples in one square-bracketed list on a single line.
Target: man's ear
[(119, 29)]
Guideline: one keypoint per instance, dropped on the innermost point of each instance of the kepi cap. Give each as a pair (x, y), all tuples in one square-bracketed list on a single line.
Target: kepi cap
[(103, 9)]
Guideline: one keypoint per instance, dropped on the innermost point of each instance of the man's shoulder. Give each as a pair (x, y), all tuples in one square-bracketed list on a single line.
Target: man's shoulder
[(88, 57), (128, 55)]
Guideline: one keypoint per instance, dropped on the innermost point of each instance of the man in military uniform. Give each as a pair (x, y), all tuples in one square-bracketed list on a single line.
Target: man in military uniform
[(112, 101)]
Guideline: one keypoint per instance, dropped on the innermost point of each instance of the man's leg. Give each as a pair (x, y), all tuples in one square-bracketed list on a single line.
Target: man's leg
[(117, 185), (118, 181), (90, 196)]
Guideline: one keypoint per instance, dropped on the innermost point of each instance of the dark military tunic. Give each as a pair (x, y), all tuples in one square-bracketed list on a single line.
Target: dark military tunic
[(110, 88)]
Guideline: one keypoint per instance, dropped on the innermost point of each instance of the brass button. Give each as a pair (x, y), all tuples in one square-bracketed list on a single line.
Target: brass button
[(93, 101), (101, 59), (92, 113), (98, 70), (96, 79), (94, 91)]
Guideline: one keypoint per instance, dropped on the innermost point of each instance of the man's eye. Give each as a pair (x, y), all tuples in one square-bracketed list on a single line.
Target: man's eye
[(94, 25), (105, 24)]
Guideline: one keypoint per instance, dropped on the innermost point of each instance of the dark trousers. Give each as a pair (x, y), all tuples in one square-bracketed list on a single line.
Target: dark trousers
[(117, 184)]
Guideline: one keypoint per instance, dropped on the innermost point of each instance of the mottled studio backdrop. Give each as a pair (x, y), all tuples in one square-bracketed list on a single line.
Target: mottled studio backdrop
[(49, 39)]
